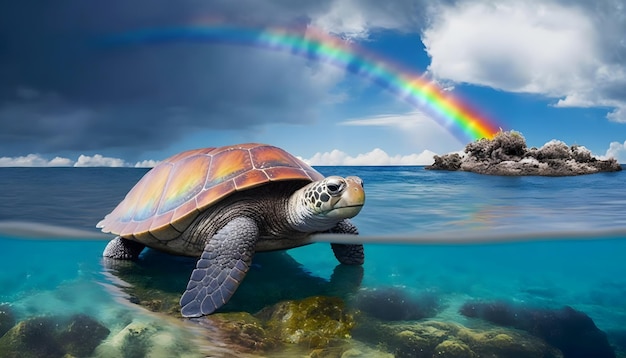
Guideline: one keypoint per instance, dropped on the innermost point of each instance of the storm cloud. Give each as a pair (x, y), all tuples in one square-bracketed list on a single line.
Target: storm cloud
[(60, 92)]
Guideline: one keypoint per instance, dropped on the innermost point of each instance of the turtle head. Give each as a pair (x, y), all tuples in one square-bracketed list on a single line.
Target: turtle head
[(334, 197)]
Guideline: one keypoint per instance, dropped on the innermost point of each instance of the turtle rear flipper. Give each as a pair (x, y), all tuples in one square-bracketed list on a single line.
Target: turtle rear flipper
[(221, 268), (123, 249)]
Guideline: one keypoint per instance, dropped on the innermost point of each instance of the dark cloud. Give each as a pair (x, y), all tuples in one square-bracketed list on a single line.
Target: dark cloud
[(58, 91)]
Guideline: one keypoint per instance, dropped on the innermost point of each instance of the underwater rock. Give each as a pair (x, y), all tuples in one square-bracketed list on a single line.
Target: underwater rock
[(396, 304), (314, 321), (53, 336), (7, 319), (33, 337), (451, 340), (571, 331), (147, 338), (82, 335), (507, 154), (134, 341)]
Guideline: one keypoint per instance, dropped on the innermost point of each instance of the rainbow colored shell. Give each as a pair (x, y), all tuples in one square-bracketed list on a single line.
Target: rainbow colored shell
[(167, 199)]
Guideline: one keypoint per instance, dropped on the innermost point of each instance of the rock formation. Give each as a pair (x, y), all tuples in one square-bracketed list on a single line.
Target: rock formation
[(53, 336), (507, 154), (571, 331)]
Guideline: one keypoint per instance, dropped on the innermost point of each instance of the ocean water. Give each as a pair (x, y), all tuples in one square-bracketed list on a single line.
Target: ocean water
[(579, 264)]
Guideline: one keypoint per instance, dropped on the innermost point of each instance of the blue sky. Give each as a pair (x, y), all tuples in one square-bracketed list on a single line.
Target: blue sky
[(548, 69)]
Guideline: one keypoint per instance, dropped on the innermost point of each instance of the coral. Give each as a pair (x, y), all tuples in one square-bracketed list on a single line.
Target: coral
[(7, 319), (507, 154), (396, 304), (571, 331)]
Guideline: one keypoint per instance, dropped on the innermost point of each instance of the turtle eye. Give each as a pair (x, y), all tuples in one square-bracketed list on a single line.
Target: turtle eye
[(334, 186)]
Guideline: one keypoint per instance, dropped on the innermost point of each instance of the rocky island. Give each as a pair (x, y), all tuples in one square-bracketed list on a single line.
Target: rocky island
[(507, 154)]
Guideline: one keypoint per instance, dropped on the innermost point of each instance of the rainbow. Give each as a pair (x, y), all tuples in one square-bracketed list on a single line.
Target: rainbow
[(457, 117)]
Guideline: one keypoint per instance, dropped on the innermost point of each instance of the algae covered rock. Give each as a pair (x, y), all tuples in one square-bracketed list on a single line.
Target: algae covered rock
[(314, 321), (318, 326), (82, 335), (7, 319), (507, 154), (53, 336), (34, 337)]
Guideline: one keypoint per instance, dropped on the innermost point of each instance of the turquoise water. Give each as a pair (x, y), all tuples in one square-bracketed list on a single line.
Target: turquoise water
[(43, 275)]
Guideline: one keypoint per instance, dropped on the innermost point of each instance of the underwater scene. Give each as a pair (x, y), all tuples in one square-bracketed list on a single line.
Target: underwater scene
[(549, 282)]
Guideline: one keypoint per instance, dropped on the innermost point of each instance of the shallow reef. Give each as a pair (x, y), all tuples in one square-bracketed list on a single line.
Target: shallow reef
[(297, 314), (507, 154), (323, 326)]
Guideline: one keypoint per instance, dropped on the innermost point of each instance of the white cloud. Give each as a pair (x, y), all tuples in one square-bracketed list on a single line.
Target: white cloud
[(146, 164), (98, 161), (60, 162), (548, 48), (616, 150), (36, 160), (374, 157)]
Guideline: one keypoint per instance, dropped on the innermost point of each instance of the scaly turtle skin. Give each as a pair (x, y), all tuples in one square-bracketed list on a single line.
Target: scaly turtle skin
[(224, 204)]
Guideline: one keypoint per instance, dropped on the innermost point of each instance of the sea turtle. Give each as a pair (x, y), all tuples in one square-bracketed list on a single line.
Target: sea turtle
[(224, 204)]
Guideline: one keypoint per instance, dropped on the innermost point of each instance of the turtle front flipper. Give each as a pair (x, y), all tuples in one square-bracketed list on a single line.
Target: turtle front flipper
[(221, 268), (349, 254)]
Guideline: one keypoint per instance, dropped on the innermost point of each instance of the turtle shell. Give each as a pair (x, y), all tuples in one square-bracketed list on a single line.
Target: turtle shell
[(171, 195)]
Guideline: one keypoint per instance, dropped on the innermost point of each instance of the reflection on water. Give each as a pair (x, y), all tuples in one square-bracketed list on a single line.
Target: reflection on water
[(157, 281)]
